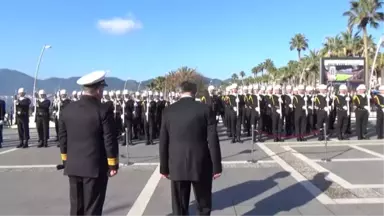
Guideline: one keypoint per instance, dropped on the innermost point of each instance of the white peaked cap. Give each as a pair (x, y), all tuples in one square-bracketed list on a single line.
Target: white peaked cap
[(111, 93), (309, 88), (161, 94), (361, 87), (245, 88), (288, 87), (301, 87), (277, 87), (21, 90), (63, 91), (93, 78), (137, 93), (41, 92), (322, 87), (343, 87), (269, 87), (118, 92), (74, 92), (150, 93), (105, 92), (262, 88), (295, 89), (255, 86), (381, 88), (156, 93), (211, 87), (234, 85), (125, 91), (250, 87)]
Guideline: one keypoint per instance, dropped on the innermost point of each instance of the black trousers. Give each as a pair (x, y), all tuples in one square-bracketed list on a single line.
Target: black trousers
[(149, 127), (300, 124), (1, 134), (129, 125), (277, 125), (42, 126), (362, 116), (257, 122), (87, 195), (342, 122), (57, 127), (379, 124), (181, 192), (23, 128)]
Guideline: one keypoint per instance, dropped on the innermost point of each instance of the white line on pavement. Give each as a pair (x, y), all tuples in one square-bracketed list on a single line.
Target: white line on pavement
[(26, 166), (330, 144), (367, 151), (332, 176), (143, 199), (349, 160), (9, 150), (323, 198)]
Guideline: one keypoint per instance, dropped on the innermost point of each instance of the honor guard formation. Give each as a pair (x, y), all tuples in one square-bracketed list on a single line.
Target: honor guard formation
[(270, 112)]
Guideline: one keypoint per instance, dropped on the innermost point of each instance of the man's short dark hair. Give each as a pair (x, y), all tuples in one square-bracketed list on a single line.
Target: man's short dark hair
[(189, 87)]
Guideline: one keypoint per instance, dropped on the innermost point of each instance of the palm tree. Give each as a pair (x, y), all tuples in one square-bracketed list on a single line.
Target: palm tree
[(299, 43), (361, 14), (234, 78)]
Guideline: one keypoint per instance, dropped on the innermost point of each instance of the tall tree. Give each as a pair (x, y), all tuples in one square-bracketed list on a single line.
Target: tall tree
[(361, 14), (298, 43)]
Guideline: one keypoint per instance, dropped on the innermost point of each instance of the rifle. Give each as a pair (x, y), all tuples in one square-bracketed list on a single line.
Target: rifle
[(147, 111)]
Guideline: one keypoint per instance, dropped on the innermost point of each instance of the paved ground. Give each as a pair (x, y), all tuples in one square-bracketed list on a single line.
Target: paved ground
[(289, 178)]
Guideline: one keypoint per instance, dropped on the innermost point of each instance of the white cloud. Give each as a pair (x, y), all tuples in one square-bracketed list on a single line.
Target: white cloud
[(119, 25)]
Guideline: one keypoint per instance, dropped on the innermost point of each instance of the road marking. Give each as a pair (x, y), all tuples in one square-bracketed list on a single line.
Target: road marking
[(27, 166), (323, 198), (349, 160), (223, 162), (357, 186), (360, 201), (9, 150), (367, 151), (332, 176), (329, 144), (142, 200)]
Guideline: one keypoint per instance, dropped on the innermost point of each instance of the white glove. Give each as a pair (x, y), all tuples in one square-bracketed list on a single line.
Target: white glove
[(345, 107), (133, 112), (326, 109), (368, 96), (54, 112), (258, 109), (366, 107), (290, 106), (310, 107), (122, 116), (114, 111), (305, 98), (278, 111), (259, 98), (304, 107), (1, 122), (237, 100), (235, 109), (313, 99), (269, 105), (347, 98), (327, 99), (280, 100)]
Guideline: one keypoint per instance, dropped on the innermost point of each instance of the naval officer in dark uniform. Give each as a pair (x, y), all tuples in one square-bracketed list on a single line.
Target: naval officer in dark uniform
[(189, 151), (2, 116), (89, 147)]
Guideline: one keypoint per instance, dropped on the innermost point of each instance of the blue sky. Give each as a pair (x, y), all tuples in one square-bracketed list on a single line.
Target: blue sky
[(216, 37)]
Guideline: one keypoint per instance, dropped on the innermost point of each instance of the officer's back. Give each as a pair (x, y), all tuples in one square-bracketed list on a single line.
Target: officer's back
[(87, 139)]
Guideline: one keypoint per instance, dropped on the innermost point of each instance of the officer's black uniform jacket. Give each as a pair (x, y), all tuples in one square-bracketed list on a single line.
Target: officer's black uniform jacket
[(2, 109), (189, 143), (275, 104), (137, 109), (360, 102), (63, 103), (88, 139), (340, 101), (22, 108), (212, 101), (298, 103), (42, 108), (128, 109), (379, 102), (321, 102)]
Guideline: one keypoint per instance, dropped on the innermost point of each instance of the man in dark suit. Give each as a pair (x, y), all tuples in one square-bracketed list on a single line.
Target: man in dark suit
[(89, 147), (189, 151), (2, 115)]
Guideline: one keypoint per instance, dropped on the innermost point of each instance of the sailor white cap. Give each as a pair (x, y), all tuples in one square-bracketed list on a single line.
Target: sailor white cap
[(234, 85), (295, 89), (74, 92), (111, 93), (255, 86), (118, 92), (343, 87), (361, 87), (137, 93), (262, 88), (245, 88), (288, 87), (63, 91), (105, 92), (93, 78), (269, 88), (156, 93), (309, 88), (211, 87), (125, 91), (250, 87), (161, 94), (322, 87), (172, 93), (150, 93), (300, 87), (381, 88), (277, 87), (41, 92), (79, 93), (21, 90)]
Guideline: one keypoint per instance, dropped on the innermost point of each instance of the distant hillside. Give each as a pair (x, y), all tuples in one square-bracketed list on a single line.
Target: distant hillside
[(11, 80)]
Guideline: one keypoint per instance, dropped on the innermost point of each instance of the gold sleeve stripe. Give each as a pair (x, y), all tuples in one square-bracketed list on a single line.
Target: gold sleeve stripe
[(64, 157), (112, 161)]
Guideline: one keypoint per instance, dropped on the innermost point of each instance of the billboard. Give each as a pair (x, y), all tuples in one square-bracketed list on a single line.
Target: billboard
[(336, 71)]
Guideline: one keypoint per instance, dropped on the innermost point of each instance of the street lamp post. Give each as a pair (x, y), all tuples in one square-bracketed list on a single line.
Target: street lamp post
[(36, 74)]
